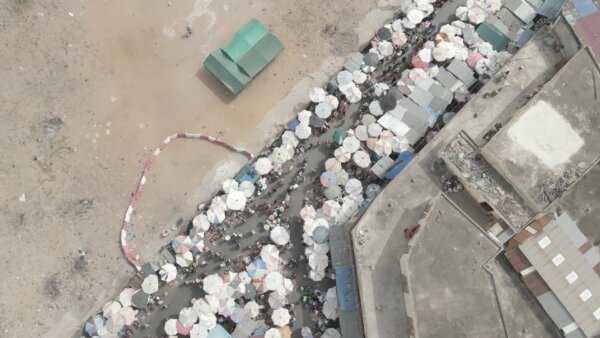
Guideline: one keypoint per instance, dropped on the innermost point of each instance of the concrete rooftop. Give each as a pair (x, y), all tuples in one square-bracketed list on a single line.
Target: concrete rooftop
[(556, 134), (378, 238)]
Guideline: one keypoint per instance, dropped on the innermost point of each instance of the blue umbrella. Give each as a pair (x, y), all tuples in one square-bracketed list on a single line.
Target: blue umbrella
[(328, 179), (94, 324), (257, 265), (321, 234), (372, 190)]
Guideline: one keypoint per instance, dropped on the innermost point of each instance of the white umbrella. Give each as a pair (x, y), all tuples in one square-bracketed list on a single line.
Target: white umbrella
[(383, 147), (330, 310), (351, 144), (230, 185), (331, 333), (215, 216), (342, 155), (360, 132), (317, 94), (415, 16), (208, 320), (331, 208), (425, 55), (201, 222), (263, 166), (226, 306), (188, 317), (274, 280), (304, 116), (238, 315), (333, 101), (303, 131), (290, 138), (323, 109), (353, 187), (281, 317), (168, 272), (461, 53), (397, 26), (380, 88), (150, 284), (115, 323), (125, 296), (316, 275), (128, 314), (273, 333), (252, 308), (309, 226), (344, 77), (386, 48), (184, 260), (342, 177), (375, 108), (111, 308), (247, 188), (361, 158), (212, 300), (212, 284), (406, 23), (280, 236), (461, 13), (282, 153), (218, 203), (198, 331), (359, 77), (270, 255), (400, 144), (236, 200), (333, 165), (318, 261), (476, 15), (308, 212), (171, 327), (368, 119), (277, 300), (374, 130), (440, 54), (449, 30), (353, 94), (481, 66), (484, 48)]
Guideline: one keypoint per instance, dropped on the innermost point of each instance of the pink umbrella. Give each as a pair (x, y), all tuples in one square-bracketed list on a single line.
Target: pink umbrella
[(416, 62), (184, 330), (473, 58), (417, 74)]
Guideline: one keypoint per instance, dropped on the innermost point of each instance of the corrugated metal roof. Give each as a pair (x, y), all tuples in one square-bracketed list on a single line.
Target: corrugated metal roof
[(551, 8), (448, 80), (382, 166), (557, 312), (571, 229), (576, 334), (566, 278), (421, 97), (521, 9), (462, 72)]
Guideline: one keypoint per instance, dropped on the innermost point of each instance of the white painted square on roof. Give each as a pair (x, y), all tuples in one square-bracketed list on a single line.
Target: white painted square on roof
[(597, 313), (572, 277), (585, 295), (558, 259), (546, 134), (544, 242)]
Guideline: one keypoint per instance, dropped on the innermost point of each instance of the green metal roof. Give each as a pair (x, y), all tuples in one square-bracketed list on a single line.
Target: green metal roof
[(250, 50), (244, 39), (493, 35)]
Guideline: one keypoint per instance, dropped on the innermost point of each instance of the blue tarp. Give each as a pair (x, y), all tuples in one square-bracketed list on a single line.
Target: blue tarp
[(584, 7), (292, 125), (524, 38), (344, 285), (402, 161), (551, 8), (218, 332), (247, 173)]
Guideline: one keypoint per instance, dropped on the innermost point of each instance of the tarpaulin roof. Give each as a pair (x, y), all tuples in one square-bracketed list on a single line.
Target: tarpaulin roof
[(551, 8), (344, 284), (402, 161), (493, 35), (218, 332), (250, 50), (246, 173)]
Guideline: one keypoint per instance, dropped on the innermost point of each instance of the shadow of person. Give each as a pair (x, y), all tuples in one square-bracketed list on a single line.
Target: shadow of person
[(216, 86)]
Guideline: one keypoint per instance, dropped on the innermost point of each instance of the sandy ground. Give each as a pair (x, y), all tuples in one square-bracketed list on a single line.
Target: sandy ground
[(89, 88)]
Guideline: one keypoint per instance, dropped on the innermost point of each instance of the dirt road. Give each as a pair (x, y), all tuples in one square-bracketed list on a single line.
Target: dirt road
[(89, 88)]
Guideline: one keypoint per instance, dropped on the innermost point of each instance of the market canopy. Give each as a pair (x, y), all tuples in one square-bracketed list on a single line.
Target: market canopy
[(250, 50)]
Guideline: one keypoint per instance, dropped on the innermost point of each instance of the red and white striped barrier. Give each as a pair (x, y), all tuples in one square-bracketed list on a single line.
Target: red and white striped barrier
[(138, 193)]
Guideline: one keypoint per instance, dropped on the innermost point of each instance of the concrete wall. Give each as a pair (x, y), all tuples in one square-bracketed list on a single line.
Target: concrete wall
[(564, 32)]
